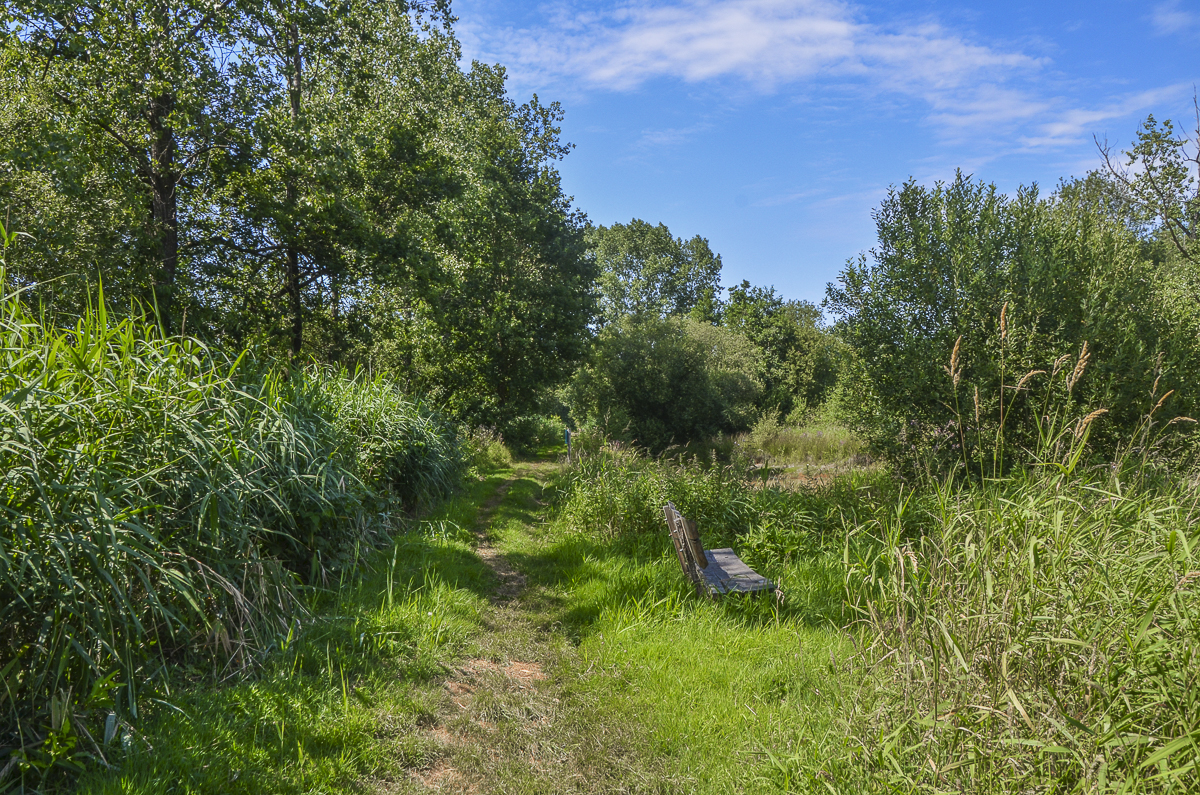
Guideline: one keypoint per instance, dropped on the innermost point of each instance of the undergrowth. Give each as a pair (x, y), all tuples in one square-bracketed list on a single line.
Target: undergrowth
[(163, 506)]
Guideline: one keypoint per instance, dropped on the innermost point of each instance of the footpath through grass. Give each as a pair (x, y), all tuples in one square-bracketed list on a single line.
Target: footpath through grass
[(497, 649)]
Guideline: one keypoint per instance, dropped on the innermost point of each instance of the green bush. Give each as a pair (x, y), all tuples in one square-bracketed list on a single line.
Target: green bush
[(159, 505), (1014, 288), (526, 435), (663, 381), (787, 444)]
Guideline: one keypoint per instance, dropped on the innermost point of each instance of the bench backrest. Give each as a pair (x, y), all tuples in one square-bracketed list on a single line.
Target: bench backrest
[(686, 538)]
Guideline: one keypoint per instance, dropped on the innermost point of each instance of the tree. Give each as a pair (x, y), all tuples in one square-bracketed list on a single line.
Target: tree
[(645, 271), (338, 141), (502, 316), (798, 361), (1161, 182), (954, 259), (146, 86), (662, 381)]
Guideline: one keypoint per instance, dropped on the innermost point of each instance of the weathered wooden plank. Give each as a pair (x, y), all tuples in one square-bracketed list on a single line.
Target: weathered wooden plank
[(727, 573), (693, 540), (712, 571), (672, 518)]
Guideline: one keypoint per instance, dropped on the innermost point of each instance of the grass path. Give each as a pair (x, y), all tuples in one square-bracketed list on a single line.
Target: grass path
[(511, 717), (595, 670), (494, 649)]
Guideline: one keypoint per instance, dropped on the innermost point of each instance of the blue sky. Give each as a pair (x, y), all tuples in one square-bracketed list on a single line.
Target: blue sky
[(773, 127)]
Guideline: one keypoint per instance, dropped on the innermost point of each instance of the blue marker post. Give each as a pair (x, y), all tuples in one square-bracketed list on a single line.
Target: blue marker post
[(567, 434)]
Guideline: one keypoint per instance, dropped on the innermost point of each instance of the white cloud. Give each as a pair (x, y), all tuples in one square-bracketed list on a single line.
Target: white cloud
[(1170, 17), (969, 88), (765, 42), (1071, 124)]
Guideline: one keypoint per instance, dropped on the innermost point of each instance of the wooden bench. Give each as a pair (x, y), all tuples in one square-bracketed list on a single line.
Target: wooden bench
[(712, 571)]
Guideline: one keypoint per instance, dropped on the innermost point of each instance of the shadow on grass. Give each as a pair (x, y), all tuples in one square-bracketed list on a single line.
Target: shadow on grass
[(338, 698), (578, 579)]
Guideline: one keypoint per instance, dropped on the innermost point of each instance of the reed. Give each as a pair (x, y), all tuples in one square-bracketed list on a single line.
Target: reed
[(162, 505), (1040, 632)]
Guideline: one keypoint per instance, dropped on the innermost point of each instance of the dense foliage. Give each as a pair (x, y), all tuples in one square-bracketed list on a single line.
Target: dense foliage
[(675, 363), (644, 271), (799, 361), (972, 299), (160, 504), (662, 381), (301, 176)]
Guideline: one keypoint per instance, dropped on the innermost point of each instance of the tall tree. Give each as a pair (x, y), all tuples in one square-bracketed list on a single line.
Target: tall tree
[(798, 358), (339, 141), (1161, 182), (151, 78), (644, 271), (504, 314)]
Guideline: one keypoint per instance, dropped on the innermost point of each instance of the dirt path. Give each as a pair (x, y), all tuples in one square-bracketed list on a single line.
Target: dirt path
[(511, 718), (511, 581)]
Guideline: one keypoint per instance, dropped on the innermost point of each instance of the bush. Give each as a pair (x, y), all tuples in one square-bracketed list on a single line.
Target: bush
[(1013, 287), (486, 450), (667, 381), (526, 435), (161, 502)]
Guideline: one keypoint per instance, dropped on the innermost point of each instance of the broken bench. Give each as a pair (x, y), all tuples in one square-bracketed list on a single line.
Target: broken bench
[(713, 572)]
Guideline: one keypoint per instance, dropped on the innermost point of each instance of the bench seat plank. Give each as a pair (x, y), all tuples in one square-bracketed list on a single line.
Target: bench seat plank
[(726, 573)]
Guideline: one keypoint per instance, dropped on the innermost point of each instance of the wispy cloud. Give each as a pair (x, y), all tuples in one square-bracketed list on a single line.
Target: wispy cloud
[(669, 136), (966, 86), (765, 43), (1170, 17), (1070, 125)]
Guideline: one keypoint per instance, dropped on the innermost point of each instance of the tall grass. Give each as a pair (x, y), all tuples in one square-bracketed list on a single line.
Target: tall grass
[(160, 504), (1042, 634), (1040, 631), (615, 496), (808, 445)]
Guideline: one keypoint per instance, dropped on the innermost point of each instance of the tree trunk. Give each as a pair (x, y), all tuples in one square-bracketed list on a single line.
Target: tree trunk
[(293, 253), (164, 205), (294, 303)]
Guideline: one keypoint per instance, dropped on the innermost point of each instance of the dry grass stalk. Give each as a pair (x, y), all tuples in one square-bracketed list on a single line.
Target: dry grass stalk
[(1004, 321), (954, 370), (1025, 379), (1162, 399), (1086, 421), (1080, 366)]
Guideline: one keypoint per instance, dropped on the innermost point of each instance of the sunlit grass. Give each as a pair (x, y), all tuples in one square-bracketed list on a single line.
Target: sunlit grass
[(342, 702)]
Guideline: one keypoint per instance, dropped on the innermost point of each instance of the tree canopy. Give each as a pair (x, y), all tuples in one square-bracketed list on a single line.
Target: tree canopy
[(317, 179)]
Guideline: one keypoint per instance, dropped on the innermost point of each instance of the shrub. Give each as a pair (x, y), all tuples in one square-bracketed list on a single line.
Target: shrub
[(526, 435), (1013, 285), (159, 505), (667, 381)]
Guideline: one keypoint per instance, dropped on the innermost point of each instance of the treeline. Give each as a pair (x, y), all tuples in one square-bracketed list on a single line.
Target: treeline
[(321, 180), (676, 361), (326, 181)]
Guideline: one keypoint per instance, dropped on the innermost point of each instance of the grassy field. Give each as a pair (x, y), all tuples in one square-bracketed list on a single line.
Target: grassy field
[(534, 635), (497, 648)]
